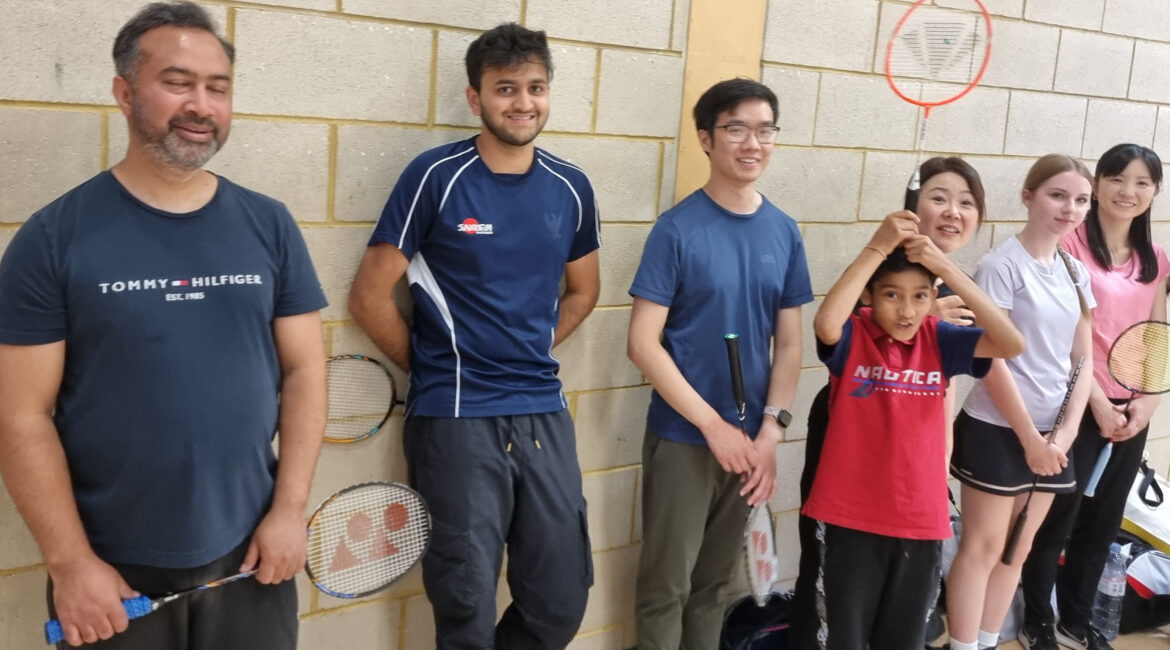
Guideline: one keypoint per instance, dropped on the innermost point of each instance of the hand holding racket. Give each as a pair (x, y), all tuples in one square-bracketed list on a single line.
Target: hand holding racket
[(1009, 549), (1139, 360), (936, 56), (759, 538), (360, 540), (362, 394)]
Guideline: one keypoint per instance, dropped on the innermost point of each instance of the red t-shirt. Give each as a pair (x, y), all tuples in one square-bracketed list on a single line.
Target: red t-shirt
[(883, 470)]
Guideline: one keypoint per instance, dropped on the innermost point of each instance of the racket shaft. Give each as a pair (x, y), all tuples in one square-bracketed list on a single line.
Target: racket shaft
[(1098, 470), (1009, 551), (135, 608)]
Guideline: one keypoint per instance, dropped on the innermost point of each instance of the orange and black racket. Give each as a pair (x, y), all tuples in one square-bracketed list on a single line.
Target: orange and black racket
[(935, 56)]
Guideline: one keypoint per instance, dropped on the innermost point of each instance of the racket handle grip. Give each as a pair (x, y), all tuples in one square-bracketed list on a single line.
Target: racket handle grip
[(732, 341), (1009, 550), (135, 608), (1098, 470)]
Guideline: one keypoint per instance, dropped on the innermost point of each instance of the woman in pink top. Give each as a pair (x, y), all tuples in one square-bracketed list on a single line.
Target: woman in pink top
[(1128, 273)]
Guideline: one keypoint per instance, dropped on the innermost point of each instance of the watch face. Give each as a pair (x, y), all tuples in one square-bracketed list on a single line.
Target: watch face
[(784, 418)]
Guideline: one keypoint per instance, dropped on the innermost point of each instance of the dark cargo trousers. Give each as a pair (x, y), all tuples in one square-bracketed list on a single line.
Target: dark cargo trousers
[(491, 483)]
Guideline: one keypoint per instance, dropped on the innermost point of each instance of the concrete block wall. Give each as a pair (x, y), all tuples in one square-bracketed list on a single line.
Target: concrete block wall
[(334, 97)]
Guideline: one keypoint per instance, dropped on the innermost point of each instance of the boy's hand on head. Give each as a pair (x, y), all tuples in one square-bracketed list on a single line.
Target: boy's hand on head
[(920, 249), (894, 229)]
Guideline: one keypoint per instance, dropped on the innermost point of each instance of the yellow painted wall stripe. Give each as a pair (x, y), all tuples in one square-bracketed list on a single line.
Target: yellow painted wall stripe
[(724, 40)]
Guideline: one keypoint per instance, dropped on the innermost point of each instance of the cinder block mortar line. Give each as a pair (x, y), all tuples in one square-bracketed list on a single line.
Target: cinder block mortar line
[(104, 141), (77, 107), (610, 470), (524, 12), (670, 40), (634, 510), (15, 571), (592, 391), (321, 613), (335, 224), (432, 95), (331, 181), (1129, 79), (336, 15), (596, 92), (660, 174), (402, 627)]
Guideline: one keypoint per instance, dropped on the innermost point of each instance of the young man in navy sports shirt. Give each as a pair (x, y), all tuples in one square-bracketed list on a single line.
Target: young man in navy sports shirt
[(880, 495), (158, 324), (484, 230), (724, 259)]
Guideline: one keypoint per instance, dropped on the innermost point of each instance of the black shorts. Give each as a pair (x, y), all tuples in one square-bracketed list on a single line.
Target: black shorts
[(991, 459)]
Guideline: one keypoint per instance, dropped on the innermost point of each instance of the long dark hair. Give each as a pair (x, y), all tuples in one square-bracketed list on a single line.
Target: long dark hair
[(1113, 163)]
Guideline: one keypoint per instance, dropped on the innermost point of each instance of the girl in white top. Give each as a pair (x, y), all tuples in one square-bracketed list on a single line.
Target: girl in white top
[(1000, 440), (1128, 273)]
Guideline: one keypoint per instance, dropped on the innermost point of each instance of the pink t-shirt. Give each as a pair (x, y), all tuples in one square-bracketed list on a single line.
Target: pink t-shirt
[(1121, 301)]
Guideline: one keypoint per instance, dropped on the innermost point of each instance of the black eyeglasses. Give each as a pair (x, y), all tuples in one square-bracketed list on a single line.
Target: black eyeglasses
[(737, 133)]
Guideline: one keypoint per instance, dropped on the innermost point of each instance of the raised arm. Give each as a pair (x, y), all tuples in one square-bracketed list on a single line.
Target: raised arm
[(371, 301), (278, 544), (840, 300), (1000, 337), (582, 286), (87, 592)]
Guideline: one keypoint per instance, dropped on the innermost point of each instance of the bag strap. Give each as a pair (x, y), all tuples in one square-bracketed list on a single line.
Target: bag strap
[(1148, 484), (1072, 273)]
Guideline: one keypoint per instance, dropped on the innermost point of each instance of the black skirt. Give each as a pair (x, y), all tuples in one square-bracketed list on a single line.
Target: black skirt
[(991, 459)]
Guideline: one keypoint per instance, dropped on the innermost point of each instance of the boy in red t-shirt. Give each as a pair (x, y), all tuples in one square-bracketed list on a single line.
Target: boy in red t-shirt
[(880, 495)]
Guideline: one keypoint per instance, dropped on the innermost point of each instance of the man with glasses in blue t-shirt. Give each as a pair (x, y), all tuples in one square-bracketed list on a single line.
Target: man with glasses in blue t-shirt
[(149, 321), (484, 229), (724, 259)]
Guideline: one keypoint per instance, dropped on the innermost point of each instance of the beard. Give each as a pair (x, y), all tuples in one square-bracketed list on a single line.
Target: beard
[(170, 149), (507, 136)]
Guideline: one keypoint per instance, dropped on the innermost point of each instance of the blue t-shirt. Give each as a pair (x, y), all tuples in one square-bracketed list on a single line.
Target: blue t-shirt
[(720, 272), (487, 252), (168, 403)]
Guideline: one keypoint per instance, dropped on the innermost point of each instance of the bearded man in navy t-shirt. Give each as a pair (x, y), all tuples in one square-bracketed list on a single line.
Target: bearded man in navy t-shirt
[(149, 321), (484, 230)]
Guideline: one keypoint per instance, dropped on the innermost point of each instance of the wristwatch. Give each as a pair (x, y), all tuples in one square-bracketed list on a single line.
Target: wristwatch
[(783, 417)]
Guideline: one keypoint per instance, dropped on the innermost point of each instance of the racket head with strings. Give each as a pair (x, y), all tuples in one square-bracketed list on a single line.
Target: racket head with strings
[(935, 56), (366, 537), (1139, 358), (763, 565), (362, 394)]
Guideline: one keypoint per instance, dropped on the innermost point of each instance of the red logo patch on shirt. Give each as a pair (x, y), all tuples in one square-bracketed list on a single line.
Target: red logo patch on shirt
[(473, 227)]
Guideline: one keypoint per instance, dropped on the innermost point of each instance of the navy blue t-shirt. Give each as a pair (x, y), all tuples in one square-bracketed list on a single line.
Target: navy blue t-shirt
[(720, 272), (168, 403), (487, 252)]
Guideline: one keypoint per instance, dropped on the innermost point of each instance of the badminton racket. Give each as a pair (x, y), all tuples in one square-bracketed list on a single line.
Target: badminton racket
[(362, 393), (1139, 360), (934, 57), (1009, 549), (360, 540), (759, 538)]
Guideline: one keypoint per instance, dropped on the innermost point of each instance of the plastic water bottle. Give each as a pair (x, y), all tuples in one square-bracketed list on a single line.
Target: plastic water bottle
[(1110, 592)]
